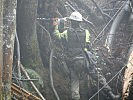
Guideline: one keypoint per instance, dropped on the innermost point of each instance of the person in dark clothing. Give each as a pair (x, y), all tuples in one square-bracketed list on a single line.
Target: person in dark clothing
[(76, 42)]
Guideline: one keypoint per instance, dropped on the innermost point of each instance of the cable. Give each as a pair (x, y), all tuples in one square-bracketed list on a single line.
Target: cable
[(50, 63), (51, 74), (98, 83), (110, 80), (107, 83), (109, 22), (42, 27), (18, 56)]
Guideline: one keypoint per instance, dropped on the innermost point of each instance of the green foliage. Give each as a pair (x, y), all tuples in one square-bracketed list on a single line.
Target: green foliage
[(33, 75)]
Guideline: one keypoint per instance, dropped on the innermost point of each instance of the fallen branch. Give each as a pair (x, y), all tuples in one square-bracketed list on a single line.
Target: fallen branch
[(18, 92)]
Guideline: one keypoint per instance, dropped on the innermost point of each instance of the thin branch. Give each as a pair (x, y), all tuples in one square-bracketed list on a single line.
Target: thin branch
[(108, 10), (67, 3), (115, 26), (90, 23), (50, 42), (50, 63), (51, 75), (108, 23), (108, 3), (100, 10)]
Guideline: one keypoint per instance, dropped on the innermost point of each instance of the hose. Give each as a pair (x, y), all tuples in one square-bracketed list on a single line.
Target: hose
[(51, 74)]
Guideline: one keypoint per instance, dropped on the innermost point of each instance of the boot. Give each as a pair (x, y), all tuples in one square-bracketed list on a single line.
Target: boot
[(113, 96)]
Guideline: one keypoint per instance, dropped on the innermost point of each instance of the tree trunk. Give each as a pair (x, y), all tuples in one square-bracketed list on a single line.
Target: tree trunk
[(26, 29), (116, 24), (1, 44), (128, 76), (46, 9), (8, 49)]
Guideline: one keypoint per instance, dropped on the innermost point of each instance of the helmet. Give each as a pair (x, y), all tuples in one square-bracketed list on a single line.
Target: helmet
[(76, 16)]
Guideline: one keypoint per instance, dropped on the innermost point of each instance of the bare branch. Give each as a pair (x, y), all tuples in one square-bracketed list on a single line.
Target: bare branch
[(115, 26), (83, 17), (104, 15), (51, 75)]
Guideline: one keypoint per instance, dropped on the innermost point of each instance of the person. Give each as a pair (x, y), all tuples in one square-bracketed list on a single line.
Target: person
[(76, 43)]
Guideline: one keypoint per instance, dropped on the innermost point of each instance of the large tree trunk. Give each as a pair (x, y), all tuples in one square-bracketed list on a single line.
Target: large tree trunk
[(1, 45), (9, 36), (128, 76), (128, 83), (26, 29), (123, 15)]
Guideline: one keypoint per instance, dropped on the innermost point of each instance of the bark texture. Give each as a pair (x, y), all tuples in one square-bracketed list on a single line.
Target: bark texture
[(46, 9), (8, 49), (127, 86), (26, 29), (1, 45)]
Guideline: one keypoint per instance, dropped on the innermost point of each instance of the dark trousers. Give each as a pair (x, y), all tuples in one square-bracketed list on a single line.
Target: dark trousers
[(79, 69)]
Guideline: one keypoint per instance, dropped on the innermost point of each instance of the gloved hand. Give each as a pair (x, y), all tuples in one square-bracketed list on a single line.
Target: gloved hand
[(61, 25), (88, 46)]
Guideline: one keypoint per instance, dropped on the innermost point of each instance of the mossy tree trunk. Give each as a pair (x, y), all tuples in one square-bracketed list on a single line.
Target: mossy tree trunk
[(9, 31), (1, 45), (26, 29), (29, 48)]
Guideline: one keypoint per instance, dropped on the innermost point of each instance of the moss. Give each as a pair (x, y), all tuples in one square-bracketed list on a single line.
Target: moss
[(33, 75)]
